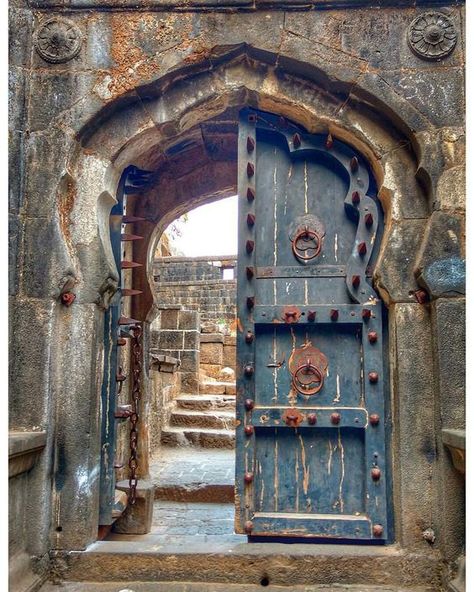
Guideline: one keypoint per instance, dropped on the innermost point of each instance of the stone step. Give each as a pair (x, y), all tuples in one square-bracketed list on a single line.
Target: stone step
[(203, 419), (217, 388), (206, 402), (203, 437), (227, 560)]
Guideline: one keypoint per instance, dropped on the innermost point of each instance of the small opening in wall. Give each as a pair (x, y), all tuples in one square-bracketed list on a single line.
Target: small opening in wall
[(265, 581), (59, 528)]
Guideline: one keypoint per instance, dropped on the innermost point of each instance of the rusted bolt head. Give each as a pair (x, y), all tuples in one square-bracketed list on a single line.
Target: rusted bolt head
[(335, 418), (366, 314), (312, 418), (373, 377), (421, 296), (372, 336), (250, 170), (374, 419), (248, 477), (311, 315), (249, 246), (248, 430), (67, 298), (248, 526), (375, 473), (248, 370), (355, 197), (249, 337), (377, 530), (249, 404), (334, 314)]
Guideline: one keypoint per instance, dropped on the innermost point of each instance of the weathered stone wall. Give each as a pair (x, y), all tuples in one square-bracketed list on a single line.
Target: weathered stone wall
[(160, 88), (197, 283)]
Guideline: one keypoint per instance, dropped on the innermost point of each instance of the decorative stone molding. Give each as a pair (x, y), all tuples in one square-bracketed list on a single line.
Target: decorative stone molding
[(163, 363), (58, 40), (432, 35), (24, 449)]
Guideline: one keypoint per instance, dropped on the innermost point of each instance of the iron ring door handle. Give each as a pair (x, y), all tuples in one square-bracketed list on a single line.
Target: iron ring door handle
[(304, 387), (306, 236)]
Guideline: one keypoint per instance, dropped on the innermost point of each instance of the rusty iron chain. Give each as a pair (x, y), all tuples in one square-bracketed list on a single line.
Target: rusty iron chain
[(134, 417)]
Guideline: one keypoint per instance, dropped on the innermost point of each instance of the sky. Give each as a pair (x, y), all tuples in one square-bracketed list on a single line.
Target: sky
[(209, 230)]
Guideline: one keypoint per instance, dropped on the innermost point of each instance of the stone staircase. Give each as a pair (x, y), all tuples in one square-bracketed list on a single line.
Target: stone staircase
[(205, 420)]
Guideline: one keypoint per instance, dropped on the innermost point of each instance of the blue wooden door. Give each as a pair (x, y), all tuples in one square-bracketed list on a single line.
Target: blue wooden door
[(310, 389)]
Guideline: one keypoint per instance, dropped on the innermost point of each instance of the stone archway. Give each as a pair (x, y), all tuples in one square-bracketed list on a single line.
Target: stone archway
[(141, 131)]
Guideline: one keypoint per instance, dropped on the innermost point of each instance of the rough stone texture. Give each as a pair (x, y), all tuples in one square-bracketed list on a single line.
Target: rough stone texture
[(137, 519), (144, 84), (444, 277)]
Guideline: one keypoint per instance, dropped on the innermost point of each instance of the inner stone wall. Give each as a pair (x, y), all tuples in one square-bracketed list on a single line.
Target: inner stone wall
[(196, 283)]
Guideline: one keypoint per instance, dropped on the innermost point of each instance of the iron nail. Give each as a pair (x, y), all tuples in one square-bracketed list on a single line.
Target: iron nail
[(334, 314), (250, 194), (250, 144), (356, 281), (250, 169), (355, 197), (362, 248), (373, 377), (354, 164), (369, 219), (250, 219), (329, 142), (250, 246)]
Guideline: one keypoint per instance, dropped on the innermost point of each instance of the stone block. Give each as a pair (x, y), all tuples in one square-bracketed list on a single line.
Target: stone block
[(230, 356), (189, 382), (212, 353), (451, 190), (450, 351), (395, 272), (445, 277), (191, 339), (169, 339), (211, 338), (137, 519), (211, 370), (169, 319), (188, 319), (444, 238), (189, 360)]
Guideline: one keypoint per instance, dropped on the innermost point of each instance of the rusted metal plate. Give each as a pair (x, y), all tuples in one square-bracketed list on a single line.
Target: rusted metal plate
[(310, 414)]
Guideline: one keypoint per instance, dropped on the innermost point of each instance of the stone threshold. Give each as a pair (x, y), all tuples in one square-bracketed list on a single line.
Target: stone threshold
[(231, 559)]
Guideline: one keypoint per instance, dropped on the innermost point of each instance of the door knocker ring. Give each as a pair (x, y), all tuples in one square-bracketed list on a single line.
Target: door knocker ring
[(303, 386), (313, 244)]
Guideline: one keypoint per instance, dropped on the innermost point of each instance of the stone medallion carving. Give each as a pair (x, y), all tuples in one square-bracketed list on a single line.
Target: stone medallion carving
[(432, 35), (58, 40)]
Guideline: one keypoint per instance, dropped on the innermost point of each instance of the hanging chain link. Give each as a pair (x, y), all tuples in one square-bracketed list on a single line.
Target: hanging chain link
[(134, 417)]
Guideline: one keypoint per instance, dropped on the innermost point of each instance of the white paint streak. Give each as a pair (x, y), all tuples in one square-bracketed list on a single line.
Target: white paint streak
[(306, 292), (275, 474), (338, 390), (275, 212), (297, 481), (335, 247), (305, 188), (305, 467), (329, 457), (341, 449), (275, 370)]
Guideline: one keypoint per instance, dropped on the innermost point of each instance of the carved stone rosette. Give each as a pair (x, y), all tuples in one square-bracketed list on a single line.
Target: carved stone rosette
[(432, 35), (58, 40)]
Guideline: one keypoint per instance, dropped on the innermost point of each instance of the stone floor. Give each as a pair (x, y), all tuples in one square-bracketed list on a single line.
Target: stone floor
[(189, 474), (210, 587)]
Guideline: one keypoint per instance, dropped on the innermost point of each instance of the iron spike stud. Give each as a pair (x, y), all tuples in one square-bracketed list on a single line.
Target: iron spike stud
[(121, 341), (369, 220), (373, 377), (312, 419), (329, 142), (356, 281), (375, 473), (129, 264), (248, 430), (250, 194), (130, 237), (250, 302), (377, 530), (250, 170), (249, 404), (334, 314), (250, 219), (311, 316), (362, 248), (130, 292), (374, 419), (248, 477), (355, 197), (421, 296), (67, 298), (248, 526), (366, 314), (250, 246), (335, 418), (296, 141), (248, 370), (132, 219), (250, 272), (372, 336), (249, 337), (250, 144), (127, 321), (354, 164)]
